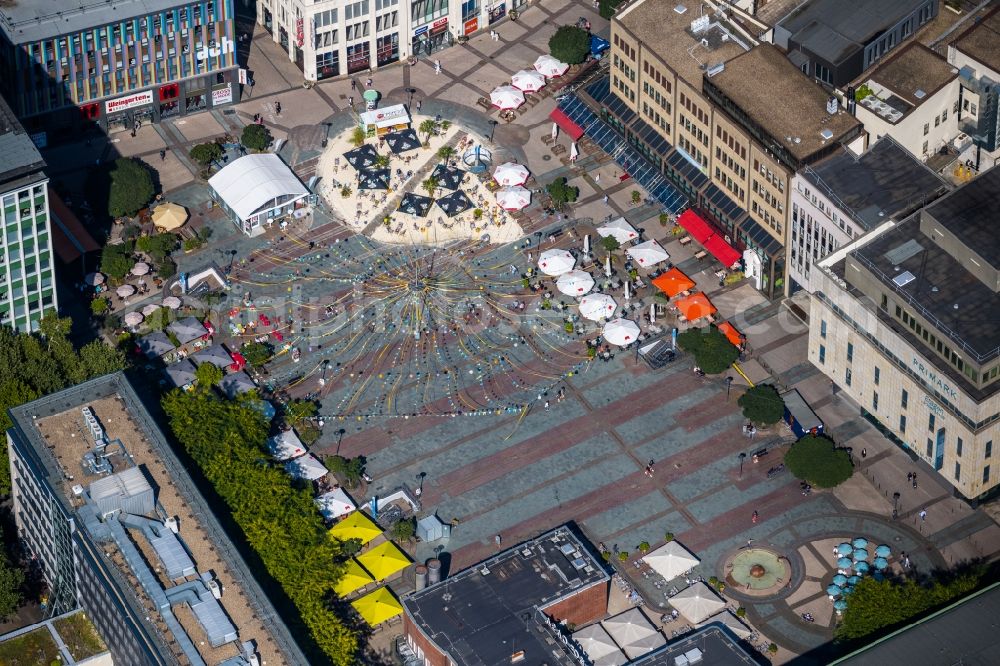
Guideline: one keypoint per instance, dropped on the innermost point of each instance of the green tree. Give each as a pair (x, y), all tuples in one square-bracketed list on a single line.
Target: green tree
[(570, 44), (208, 375), (427, 127), (610, 243), (430, 185), (158, 246), (445, 153), (606, 8), (116, 260), (99, 359), (256, 137), (131, 187), (404, 529), (762, 404), (382, 161), (206, 153), (358, 137), (297, 411), (348, 469), (817, 460), (99, 306), (11, 580), (257, 353), (561, 192), (713, 352)]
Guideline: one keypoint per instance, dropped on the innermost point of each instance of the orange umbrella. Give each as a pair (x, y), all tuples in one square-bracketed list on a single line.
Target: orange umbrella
[(673, 282), (731, 333), (695, 306)]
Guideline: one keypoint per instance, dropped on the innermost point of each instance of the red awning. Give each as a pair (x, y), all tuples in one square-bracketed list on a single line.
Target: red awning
[(567, 125), (722, 251), (695, 226)]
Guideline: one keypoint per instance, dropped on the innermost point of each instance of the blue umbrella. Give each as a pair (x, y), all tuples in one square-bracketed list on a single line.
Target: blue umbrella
[(845, 549), (878, 576), (833, 590), (844, 563), (861, 567), (881, 563), (860, 542), (883, 551), (839, 604), (860, 554), (853, 580), (848, 590), (840, 579)]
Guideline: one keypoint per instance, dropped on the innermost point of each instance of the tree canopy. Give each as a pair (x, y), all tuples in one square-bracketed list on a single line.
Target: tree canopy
[(561, 192), (762, 404), (606, 8), (257, 353), (816, 460), (131, 187), (208, 375), (570, 44), (11, 580), (256, 137), (206, 153), (227, 439), (610, 243), (116, 260), (713, 352)]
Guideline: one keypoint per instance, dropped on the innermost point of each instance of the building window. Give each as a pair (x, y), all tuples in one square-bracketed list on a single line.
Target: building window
[(850, 352), (822, 354), (874, 401), (930, 422), (822, 328), (847, 376), (924, 148), (927, 129), (905, 399), (930, 447), (958, 471), (986, 474), (876, 376), (902, 424), (958, 448), (989, 449)]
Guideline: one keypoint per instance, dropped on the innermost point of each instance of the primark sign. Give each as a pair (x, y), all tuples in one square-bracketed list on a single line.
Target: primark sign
[(934, 379), (223, 47)]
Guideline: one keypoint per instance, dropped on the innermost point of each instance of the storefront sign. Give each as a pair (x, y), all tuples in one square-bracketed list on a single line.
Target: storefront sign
[(497, 12), (419, 31), (440, 23), (128, 102), (933, 406), (300, 32), (471, 26), (934, 379), (225, 46), (222, 95)]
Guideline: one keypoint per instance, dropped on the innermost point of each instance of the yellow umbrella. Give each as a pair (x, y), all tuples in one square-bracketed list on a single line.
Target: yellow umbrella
[(354, 578), (169, 216), (356, 526), (383, 560), (378, 606)]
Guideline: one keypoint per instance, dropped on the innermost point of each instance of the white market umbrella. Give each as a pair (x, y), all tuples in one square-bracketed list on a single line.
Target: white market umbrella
[(731, 622), (622, 231), (506, 97), (647, 254), (550, 67), (510, 174), (633, 631), (93, 279), (133, 318), (528, 81), (125, 291), (586, 244), (172, 302), (599, 646), (513, 198), (575, 283), (556, 262), (140, 269), (671, 560), (596, 307), (574, 152), (697, 602), (621, 332), (334, 504), (555, 130), (150, 309)]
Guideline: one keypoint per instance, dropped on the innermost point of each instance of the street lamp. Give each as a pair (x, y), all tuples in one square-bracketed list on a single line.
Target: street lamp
[(742, 457), (729, 385), (322, 378), (493, 128), (420, 482), (409, 96), (340, 438)]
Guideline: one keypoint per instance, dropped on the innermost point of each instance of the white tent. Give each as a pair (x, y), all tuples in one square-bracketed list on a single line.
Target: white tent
[(556, 262), (599, 646), (697, 602), (251, 185), (334, 504), (575, 283), (549, 66), (513, 198), (647, 254), (634, 633), (527, 80), (306, 467), (620, 229), (511, 173), (597, 306), (621, 332), (671, 560), (506, 97), (731, 621), (285, 446)]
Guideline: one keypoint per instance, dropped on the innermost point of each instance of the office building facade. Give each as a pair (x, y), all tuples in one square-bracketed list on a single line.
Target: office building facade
[(329, 38), (976, 54), (67, 66), (27, 272)]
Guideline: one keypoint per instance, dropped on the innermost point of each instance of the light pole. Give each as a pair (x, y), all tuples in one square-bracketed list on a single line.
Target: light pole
[(409, 96), (322, 377), (493, 128), (340, 438), (420, 483), (742, 457), (729, 385)]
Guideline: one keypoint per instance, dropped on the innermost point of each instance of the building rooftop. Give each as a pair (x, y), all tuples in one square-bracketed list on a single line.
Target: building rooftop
[(22, 163), (68, 639), (981, 42), (833, 29), (971, 215), (667, 31), (963, 633), (485, 614), (885, 182), (135, 501), (718, 647), (906, 79), (26, 21), (783, 101)]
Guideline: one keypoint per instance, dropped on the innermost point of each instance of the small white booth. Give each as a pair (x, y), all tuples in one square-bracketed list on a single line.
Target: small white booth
[(256, 190), (378, 122)]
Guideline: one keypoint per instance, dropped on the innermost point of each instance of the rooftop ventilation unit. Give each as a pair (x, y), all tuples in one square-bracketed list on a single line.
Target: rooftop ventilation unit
[(716, 69), (700, 24), (832, 105), (903, 279), (680, 9), (920, 94), (826, 134), (96, 431)]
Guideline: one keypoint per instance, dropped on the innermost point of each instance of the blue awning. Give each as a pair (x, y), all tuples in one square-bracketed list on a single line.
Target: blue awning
[(649, 136), (759, 239), (720, 201), (687, 170)]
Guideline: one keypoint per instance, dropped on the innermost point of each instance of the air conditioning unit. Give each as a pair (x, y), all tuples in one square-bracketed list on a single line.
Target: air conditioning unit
[(215, 588), (171, 524)]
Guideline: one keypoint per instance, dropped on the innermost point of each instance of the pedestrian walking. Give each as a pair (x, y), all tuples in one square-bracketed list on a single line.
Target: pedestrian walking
[(354, 84), (420, 103), (497, 540), (277, 108), (350, 101), (754, 517), (923, 515), (546, 405), (864, 453), (368, 83), (605, 198), (437, 67), (615, 548), (914, 479), (909, 477), (163, 155), (597, 178)]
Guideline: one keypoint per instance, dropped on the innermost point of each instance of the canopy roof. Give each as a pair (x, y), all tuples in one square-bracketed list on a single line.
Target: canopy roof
[(528, 80), (556, 262), (373, 179), (509, 174), (597, 306), (155, 344), (181, 374), (671, 560), (169, 216), (673, 282), (356, 526), (402, 141), (249, 183), (389, 116), (621, 332), (694, 225), (306, 467), (620, 229), (334, 504), (216, 355), (362, 157), (506, 97), (695, 306), (599, 646), (383, 560), (647, 254), (697, 602), (354, 578), (236, 383), (513, 198), (731, 621), (447, 177), (378, 606), (549, 66), (731, 333), (285, 446), (415, 204), (454, 203), (575, 283), (634, 633), (187, 329)]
